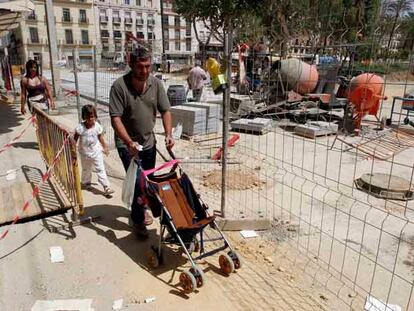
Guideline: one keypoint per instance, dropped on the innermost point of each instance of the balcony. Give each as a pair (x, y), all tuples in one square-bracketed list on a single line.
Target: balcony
[(67, 20), (35, 41), (104, 34), (68, 42), (116, 20), (128, 21), (140, 21), (103, 19), (84, 20)]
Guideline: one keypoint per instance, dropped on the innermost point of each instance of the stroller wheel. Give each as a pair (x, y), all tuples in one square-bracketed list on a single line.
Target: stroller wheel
[(226, 264), (199, 276), (188, 282), (152, 259), (236, 259)]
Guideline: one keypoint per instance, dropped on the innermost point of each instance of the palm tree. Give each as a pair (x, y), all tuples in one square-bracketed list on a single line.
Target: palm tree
[(407, 26), (395, 10)]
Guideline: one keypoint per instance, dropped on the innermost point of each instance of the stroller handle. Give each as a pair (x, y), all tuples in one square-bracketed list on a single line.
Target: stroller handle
[(171, 153), (162, 166)]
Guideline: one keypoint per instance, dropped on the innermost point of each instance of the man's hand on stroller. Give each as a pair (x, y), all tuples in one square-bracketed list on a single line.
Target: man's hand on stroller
[(169, 142), (133, 148)]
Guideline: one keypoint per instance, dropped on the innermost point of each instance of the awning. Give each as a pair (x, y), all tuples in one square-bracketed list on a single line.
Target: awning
[(12, 12)]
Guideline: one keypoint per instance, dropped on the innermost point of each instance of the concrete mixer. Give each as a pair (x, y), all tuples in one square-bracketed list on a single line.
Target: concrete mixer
[(299, 75), (364, 93)]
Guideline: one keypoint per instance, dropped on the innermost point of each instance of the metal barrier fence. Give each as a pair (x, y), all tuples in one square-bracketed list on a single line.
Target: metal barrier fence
[(51, 137)]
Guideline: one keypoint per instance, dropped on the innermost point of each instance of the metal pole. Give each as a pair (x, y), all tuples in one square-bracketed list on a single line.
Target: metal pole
[(53, 51), (226, 106), (162, 33), (95, 78), (75, 73)]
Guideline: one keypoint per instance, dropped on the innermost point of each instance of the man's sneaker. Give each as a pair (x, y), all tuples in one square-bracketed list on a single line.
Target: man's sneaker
[(108, 190), (148, 220), (140, 230)]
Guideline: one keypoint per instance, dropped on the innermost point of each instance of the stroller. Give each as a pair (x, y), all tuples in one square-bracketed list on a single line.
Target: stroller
[(171, 196)]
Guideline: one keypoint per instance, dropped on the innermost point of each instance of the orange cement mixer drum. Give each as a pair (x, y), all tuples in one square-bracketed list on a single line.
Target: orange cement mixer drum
[(365, 93)]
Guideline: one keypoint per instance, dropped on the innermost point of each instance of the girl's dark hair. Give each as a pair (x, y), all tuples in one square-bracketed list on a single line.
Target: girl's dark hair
[(88, 110), (29, 65)]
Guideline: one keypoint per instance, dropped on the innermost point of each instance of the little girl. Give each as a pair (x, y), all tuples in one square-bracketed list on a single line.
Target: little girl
[(91, 146)]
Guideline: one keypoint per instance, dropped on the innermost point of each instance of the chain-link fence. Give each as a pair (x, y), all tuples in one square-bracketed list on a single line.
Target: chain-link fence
[(321, 145)]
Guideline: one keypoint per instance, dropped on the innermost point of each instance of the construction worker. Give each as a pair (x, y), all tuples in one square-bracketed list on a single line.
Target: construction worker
[(195, 80)]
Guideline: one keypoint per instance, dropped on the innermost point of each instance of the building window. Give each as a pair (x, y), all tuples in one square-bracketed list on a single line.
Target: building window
[(66, 15), (188, 28), (166, 45), (177, 21), (85, 37), (140, 35), (34, 35), (177, 34), (165, 19), (117, 34), (151, 36), (68, 36), (82, 16), (188, 44), (177, 46), (104, 34), (149, 3), (127, 2), (138, 2)]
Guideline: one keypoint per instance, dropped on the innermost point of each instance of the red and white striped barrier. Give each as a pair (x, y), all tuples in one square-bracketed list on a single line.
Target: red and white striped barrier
[(10, 144), (36, 189)]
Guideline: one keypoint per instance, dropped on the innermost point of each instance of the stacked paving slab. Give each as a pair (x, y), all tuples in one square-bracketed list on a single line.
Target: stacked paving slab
[(193, 119), (213, 115), (197, 118)]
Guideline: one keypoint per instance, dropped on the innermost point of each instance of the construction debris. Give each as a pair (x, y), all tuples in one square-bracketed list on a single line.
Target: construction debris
[(56, 254), (63, 304), (313, 129), (374, 304), (117, 305), (248, 234)]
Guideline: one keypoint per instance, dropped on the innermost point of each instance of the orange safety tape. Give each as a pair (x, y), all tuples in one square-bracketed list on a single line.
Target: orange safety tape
[(36, 189), (10, 144)]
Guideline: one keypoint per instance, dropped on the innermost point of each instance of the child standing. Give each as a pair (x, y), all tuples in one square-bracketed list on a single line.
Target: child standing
[(91, 147)]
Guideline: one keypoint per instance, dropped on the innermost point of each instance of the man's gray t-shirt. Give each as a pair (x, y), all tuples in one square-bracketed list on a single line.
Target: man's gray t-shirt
[(138, 112)]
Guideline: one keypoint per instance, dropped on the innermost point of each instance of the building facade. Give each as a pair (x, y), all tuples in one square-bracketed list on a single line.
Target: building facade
[(122, 24), (75, 30)]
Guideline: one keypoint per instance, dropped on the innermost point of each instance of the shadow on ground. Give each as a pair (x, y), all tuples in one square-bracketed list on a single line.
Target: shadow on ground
[(114, 218), (10, 118)]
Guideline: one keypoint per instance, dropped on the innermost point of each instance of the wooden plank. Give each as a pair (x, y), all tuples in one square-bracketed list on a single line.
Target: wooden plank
[(237, 224)]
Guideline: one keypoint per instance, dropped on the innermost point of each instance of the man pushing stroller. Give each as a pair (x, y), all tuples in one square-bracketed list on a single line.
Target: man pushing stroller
[(134, 101)]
